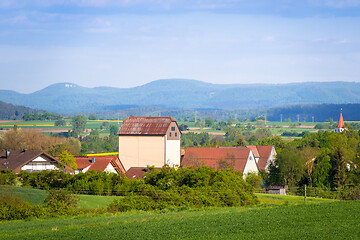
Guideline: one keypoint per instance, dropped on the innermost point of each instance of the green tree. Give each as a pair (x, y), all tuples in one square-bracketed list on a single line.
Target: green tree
[(60, 122), (68, 159), (93, 117), (78, 123), (113, 130), (209, 122)]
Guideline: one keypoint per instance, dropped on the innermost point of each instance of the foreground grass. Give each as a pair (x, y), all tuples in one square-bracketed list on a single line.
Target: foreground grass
[(328, 220), (37, 196)]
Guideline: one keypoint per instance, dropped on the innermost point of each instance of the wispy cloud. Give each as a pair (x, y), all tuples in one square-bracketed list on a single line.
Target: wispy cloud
[(336, 3)]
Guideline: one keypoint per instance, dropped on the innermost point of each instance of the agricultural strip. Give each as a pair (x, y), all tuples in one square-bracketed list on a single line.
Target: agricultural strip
[(327, 220)]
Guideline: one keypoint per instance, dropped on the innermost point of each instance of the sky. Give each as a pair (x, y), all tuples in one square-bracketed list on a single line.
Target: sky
[(127, 43)]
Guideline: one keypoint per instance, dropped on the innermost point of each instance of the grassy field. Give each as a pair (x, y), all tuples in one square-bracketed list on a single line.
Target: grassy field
[(37, 196), (327, 220)]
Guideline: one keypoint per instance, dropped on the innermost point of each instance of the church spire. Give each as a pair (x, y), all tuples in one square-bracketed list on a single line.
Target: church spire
[(340, 126)]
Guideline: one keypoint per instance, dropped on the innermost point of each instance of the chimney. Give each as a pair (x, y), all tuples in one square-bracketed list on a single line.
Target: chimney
[(7, 153), (93, 160)]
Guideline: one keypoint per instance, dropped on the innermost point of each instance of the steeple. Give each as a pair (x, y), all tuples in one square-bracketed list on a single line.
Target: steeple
[(340, 126)]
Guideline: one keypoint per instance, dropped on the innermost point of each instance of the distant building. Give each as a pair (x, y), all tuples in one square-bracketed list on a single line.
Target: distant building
[(149, 141), (340, 126), (277, 189), (31, 161), (264, 156), (137, 172), (239, 158), (110, 164)]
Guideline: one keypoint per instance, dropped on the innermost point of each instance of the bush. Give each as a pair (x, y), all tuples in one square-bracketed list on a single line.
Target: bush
[(13, 208), (61, 202)]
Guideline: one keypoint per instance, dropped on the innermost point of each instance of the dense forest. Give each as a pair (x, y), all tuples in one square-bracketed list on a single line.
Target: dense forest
[(14, 112)]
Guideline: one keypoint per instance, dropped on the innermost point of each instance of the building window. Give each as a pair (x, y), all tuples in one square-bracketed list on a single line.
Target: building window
[(172, 128), (170, 134), (176, 134)]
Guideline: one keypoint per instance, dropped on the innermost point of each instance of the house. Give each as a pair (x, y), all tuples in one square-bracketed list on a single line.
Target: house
[(137, 172), (340, 126), (239, 158), (264, 156), (31, 161), (149, 141), (110, 164)]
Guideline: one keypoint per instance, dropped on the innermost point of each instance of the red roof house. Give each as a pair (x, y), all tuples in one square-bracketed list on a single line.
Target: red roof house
[(110, 164), (239, 158), (264, 155)]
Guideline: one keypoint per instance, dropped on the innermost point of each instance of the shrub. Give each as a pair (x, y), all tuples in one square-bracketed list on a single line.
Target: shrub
[(12, 208), (61, 202)]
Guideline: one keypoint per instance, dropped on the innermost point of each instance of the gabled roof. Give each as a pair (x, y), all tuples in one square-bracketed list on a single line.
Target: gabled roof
[(145, 125), (100, 164), (341, 122), (210, 157), (264, 152), (18, 159), (255, 151), (137, 172)]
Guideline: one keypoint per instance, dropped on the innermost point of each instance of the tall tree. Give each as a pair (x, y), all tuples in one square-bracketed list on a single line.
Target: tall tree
[(78, 123)]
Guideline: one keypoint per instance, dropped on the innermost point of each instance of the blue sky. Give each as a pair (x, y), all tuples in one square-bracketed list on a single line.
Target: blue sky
[(127, 43)]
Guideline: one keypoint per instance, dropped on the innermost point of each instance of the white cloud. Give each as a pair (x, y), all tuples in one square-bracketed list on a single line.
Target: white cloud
[(335, 3)]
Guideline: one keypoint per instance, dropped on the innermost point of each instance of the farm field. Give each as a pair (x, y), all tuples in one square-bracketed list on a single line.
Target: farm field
[(327, 220)]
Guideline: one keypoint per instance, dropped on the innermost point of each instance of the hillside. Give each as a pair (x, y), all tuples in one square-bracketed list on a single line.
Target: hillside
[(184, 94), (10, 111)]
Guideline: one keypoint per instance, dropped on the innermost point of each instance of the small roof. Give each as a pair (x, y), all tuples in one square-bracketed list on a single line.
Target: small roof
[(210, 156), (100, 164), (145, 126), (19, 158), (255, 151), (137, 172), (341, 122)]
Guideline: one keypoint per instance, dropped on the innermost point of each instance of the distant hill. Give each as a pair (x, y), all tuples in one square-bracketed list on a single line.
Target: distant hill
[(10, 111), (184, 94)]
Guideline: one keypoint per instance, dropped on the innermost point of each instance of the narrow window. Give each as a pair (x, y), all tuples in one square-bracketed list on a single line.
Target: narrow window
[(170, 134), (176, 134), (172, 128)]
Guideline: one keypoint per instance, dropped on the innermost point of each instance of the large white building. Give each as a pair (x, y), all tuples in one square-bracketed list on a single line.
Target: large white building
[(149, 141)]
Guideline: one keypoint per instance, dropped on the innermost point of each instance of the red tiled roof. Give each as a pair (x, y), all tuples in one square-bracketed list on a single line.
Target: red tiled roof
[(255, 151), (341, 122), (137, 172), (18, 159), (210, 157), (100, 164), (264, 152), (145, 125)]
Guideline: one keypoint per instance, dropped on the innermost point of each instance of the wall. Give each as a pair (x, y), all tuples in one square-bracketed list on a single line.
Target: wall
[(39, 164), (251, 165), (173, 153), (141, 151)]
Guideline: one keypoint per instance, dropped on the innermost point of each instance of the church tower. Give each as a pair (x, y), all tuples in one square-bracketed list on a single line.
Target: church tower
[(340, 126)]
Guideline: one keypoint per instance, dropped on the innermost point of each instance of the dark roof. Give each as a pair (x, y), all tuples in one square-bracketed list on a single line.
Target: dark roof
[(137, 172), (210, 156), (100, 164), (145, 125), (17, 159)]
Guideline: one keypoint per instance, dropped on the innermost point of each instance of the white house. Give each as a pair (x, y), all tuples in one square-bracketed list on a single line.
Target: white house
[(31, 161), (149, 141)]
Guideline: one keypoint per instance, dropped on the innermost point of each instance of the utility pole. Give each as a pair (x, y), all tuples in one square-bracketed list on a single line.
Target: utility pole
[(298, 118), (280, 117), (312, 118), (305, 194)]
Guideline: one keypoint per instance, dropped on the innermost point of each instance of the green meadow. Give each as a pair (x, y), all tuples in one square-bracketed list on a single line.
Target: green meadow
[(327, 220), (276, 217)]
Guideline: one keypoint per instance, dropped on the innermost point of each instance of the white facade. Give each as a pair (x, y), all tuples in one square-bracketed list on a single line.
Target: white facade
[(172, 153), (39, 164), (251, 164)]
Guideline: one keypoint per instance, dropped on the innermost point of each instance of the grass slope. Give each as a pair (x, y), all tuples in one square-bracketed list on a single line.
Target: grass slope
[(36, 196), (328, 220)]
